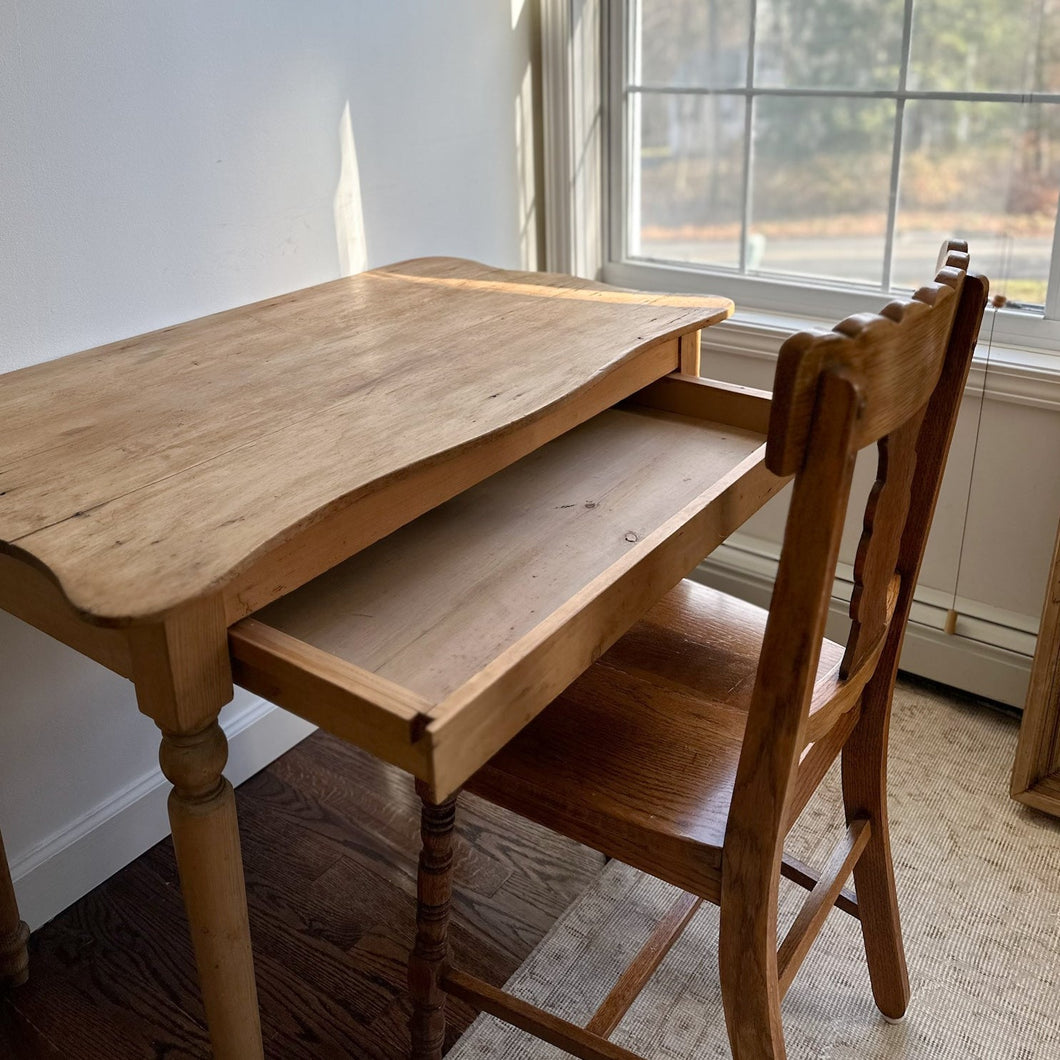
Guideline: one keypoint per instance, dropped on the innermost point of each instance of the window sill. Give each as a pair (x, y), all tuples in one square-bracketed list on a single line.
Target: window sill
[(1023, 374), (1011, 373)]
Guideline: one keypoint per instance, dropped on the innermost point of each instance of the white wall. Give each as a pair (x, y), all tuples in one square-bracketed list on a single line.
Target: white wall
[(163, 161)]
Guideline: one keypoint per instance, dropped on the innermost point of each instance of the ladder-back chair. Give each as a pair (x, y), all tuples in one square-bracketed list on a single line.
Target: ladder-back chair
[(691, 746)]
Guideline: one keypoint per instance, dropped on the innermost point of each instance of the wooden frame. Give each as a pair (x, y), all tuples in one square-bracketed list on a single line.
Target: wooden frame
[(1036, 772)]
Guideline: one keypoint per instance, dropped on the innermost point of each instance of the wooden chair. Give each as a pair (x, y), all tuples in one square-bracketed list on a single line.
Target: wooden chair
[(693, 744)]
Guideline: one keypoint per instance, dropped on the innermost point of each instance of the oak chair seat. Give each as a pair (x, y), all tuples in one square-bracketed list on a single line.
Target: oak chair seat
[(638, 757)]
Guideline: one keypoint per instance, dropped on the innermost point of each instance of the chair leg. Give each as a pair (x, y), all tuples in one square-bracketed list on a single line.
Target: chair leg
[(430, 952), (865, 792), (750, 987), (14, 934)]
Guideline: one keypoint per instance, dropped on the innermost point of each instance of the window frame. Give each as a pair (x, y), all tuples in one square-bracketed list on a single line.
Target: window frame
[(762, 297)]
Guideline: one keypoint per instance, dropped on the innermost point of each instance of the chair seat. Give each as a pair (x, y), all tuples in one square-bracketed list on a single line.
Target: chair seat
[(637, 758)]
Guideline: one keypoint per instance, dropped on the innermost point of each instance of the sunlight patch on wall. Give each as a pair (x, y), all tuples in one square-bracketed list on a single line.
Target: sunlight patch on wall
[(524, 152), (349, 210)]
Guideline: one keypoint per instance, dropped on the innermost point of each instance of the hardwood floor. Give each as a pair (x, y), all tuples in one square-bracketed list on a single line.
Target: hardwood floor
[(330, 840)]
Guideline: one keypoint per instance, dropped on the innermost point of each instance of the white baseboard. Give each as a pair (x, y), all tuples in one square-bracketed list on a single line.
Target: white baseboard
[(989, 655), (67, 865)]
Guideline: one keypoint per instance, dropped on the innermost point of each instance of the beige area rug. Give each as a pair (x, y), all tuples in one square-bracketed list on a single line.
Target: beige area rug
[(979, 885)]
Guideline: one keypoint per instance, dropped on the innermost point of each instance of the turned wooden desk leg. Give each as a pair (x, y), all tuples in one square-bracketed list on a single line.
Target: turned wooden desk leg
[(14, 934), (431, 950), (202, 811)]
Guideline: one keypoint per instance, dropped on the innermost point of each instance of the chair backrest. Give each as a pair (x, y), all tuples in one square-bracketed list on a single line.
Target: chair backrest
[(894, 379)]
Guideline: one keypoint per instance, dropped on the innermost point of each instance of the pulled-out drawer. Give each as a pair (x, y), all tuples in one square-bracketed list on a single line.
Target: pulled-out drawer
[(434, 646)]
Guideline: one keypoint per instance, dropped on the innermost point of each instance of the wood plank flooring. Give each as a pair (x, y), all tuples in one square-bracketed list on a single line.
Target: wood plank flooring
[(330, 841)]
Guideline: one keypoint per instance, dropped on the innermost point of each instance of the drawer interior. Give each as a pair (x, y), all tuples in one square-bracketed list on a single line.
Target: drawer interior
[(426, 619)]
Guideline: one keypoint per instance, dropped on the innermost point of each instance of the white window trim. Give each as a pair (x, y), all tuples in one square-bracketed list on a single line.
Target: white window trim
[(578, 36), (557, 95), (574, 120)]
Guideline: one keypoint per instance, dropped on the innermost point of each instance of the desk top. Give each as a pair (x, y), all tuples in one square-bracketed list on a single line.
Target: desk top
[(201, 458)]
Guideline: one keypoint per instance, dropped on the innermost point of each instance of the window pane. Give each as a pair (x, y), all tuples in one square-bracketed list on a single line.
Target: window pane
[(987, 172), (828, 43), (985, 46), (821, 184), (694, 42), (691, 178)]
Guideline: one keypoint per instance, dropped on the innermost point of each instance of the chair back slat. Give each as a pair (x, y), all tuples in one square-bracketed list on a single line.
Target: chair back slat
[(877, 556)]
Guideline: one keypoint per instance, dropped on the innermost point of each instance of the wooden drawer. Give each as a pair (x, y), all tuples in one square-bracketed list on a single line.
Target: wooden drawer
[(434, 646)]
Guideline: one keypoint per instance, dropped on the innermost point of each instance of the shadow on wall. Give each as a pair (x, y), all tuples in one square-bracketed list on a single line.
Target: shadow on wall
[(348, 207)]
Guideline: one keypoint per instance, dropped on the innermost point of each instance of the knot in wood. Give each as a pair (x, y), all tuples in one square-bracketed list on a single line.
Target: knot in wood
[(193, 762)]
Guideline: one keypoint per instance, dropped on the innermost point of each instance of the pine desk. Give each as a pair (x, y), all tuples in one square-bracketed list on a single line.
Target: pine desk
[(157, 491)]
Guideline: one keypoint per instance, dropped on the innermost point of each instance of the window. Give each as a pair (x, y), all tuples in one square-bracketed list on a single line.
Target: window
[(796, 154)]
